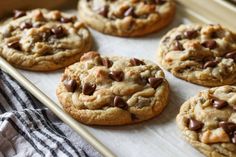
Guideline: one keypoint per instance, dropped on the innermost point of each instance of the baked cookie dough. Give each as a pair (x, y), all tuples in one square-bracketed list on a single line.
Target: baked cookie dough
[(42, 40), (112, 90), (201, 54), (126, 17), (208, 121)]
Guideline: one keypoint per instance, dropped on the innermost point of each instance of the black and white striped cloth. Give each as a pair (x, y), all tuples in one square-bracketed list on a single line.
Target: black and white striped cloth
[(28, 129)]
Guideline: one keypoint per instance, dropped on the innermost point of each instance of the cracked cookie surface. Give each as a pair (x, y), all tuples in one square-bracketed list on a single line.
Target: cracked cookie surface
[(126, 17), (208, 121), (112, 90), (42, 40), (201, 54)]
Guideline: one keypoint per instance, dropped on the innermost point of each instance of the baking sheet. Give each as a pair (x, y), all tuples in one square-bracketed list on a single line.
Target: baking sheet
[(157, 137)]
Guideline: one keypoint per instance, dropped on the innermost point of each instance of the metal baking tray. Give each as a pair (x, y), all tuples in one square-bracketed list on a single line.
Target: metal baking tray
[(157, 137)]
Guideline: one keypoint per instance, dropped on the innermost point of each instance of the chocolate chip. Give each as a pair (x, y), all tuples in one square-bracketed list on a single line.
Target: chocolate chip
[(136, 62), (117, 75), (45, 35), (214, 35), (66, 20), (88, 88), (160, 1), (106, 62), (59, 32), (26, 25), (133, 117), (195, 125), (211, 44), (178, 46), (129, 12), (228, 127), (219, 104), (18, 13), (104, 11), (155, 82), (211, 64), (178, 37), (70, 84), (191, 34), (119, 102), (14, 44), (231, 54)]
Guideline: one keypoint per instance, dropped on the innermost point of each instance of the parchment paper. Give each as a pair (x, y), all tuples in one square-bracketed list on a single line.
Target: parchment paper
[(158, 137)]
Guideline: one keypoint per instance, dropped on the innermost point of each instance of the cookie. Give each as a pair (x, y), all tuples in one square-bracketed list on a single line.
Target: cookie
[(42, 40), (126, 17), (201, 54), (112, 90), (208, 121)]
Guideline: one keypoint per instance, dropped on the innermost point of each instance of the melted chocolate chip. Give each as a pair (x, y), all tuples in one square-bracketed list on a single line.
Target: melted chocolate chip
[(129, 12), (66, 20), (211, 44), (136, 62), (231, 54), (45, 35), (14, 44), (228, 127), (211, 64), (119, 102), (195, 125), (214, 35), (191, 34), (59, 32), (117, 75), (106, 62), (133, 117), (178, 46), (178, 37), (88, 88), (70, 85), (26, 25), (18, 13), (155, 82), (104, 11), (219, 104)]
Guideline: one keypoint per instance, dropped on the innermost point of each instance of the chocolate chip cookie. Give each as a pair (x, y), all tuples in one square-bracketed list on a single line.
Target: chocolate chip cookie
[(208, 121), (112, 90), (42, 40), (201, 54), (127, 17)]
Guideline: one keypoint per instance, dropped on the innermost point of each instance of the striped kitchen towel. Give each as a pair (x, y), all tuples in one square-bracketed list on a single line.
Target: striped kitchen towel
[(27, 128)]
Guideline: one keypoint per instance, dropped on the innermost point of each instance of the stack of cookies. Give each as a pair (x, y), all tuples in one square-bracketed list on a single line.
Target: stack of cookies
[(116, 90)]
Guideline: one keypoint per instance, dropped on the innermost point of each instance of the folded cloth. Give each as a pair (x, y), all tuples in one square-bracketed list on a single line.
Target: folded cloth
[(27, 128)]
